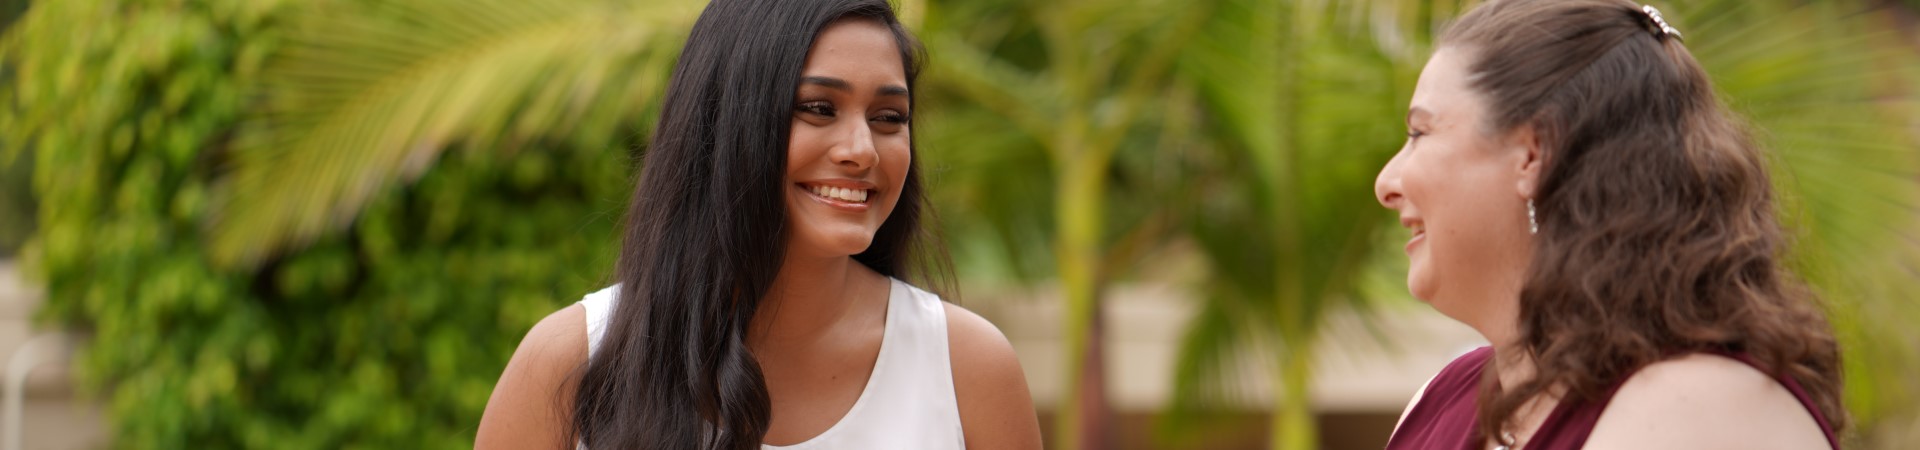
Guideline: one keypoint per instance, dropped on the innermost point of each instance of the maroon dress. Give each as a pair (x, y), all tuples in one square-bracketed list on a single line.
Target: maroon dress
[(1447, 414)]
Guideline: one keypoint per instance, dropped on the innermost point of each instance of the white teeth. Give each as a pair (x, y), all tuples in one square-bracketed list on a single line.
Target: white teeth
[(841, 194)]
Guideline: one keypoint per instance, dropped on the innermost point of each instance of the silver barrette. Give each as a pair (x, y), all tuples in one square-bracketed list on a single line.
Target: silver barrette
[(1661, 21)]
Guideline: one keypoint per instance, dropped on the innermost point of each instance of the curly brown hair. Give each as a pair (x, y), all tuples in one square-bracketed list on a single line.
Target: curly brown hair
[(1657, 231)]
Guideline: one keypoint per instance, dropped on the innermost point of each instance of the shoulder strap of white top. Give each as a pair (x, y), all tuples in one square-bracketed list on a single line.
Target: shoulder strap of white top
[(917, 390), (599, 307), (918, 383)]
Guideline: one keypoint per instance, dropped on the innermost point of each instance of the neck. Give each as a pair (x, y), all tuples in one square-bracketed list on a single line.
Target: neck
[(808, 296), (1498, 322), (1514, 365)]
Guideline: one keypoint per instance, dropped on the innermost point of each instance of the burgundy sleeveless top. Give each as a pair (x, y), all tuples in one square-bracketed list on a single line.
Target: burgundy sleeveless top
[(1448, 413)]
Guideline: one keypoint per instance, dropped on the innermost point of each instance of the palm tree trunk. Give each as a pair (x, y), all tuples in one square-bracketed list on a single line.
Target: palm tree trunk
[(1293, 426), (1080, 208), (1096, 417)]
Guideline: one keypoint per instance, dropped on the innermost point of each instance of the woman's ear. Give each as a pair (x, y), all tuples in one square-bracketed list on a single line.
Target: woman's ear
[(1524, 142)]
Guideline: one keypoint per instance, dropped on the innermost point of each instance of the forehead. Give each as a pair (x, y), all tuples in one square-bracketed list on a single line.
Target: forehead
[(1443, 90), (856, 49)]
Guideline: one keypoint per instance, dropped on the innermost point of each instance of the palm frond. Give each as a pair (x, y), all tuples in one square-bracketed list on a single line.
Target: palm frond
[(1829, 89), (1209, 371), (365, 97)]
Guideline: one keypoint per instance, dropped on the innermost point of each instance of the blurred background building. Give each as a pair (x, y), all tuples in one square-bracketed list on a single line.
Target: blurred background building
[(325, 224)]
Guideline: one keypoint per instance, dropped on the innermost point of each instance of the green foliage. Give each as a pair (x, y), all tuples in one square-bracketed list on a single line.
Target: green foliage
[(1010, 103), (385, 334), (1831, 93), (1299, 103), (10, 11), (347, 114), (1097, 117), (1306, 115), (1299, 124), (326, 223), (16, 202), (16, 193)]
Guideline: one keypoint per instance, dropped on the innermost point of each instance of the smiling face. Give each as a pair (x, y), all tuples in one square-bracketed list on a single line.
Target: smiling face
[(1462, 191), (849, 148)]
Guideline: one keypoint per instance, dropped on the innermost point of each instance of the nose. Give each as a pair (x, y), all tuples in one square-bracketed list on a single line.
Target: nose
[(1386, 186), (855, 150)]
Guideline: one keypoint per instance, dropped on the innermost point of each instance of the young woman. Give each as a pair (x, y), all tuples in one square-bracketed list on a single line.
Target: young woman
[(1577, 195), (758, 303)]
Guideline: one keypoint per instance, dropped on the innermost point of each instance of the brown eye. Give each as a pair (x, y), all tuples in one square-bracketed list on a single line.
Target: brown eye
[(889, 122), (822, 109)]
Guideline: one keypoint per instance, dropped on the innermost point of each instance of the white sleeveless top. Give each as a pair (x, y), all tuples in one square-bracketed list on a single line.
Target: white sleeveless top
[(908, 401)]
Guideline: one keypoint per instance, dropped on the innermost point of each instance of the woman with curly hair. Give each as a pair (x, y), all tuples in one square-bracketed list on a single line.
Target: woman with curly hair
[(1578, 196)]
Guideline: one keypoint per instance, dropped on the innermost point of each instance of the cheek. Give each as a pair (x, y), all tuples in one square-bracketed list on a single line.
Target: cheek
[(1416, 181), (1449, 185), (1468, 225), (896, 155), (804, 143)]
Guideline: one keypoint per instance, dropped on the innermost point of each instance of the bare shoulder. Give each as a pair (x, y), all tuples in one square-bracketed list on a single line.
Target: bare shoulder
[(973, 339), (1705, 401), (996, 410), (529, 407), (561, 337)]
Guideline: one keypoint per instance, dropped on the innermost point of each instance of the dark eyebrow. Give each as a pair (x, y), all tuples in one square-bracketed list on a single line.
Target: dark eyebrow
[(842, 85), (828, 82)]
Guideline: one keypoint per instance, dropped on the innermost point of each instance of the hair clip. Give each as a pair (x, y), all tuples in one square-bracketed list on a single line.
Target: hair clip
[(1661, 21)]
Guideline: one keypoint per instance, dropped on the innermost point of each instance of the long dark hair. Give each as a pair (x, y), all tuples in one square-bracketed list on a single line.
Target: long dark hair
[(1657, 232), (705, 233)]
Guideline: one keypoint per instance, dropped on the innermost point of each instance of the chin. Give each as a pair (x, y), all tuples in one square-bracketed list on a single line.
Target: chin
[(1423, 297), (853, 248), (838, 244), (1420, 287)]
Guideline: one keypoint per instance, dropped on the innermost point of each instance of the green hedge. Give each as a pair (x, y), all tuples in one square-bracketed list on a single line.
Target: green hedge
[(16, 203), (16, 199), (388, 334)]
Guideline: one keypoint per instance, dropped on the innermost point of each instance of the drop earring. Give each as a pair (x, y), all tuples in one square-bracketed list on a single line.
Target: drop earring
[(1533, 227)]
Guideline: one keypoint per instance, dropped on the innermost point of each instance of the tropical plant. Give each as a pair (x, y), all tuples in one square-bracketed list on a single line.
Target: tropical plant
[(16, 199), (10, 10), (1304, 108), (1828, 88), (321, 224), (1070, 86), (384, 331), (16, 202), (348, 114)]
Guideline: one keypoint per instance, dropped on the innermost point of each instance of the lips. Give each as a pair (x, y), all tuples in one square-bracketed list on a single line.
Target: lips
[(848, 195), (1419, 232), (842, 194)]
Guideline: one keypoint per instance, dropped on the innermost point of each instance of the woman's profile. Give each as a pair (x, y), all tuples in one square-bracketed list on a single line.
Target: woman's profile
[(1578, 195), (760, 301)]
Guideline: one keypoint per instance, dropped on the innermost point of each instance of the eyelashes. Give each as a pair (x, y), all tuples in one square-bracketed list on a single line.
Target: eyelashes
[(825, 109), (822, 109)]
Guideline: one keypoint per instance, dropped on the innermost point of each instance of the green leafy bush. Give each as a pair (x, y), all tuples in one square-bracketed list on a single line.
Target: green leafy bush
[(16, 203), (387, 324), (388, 333)]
